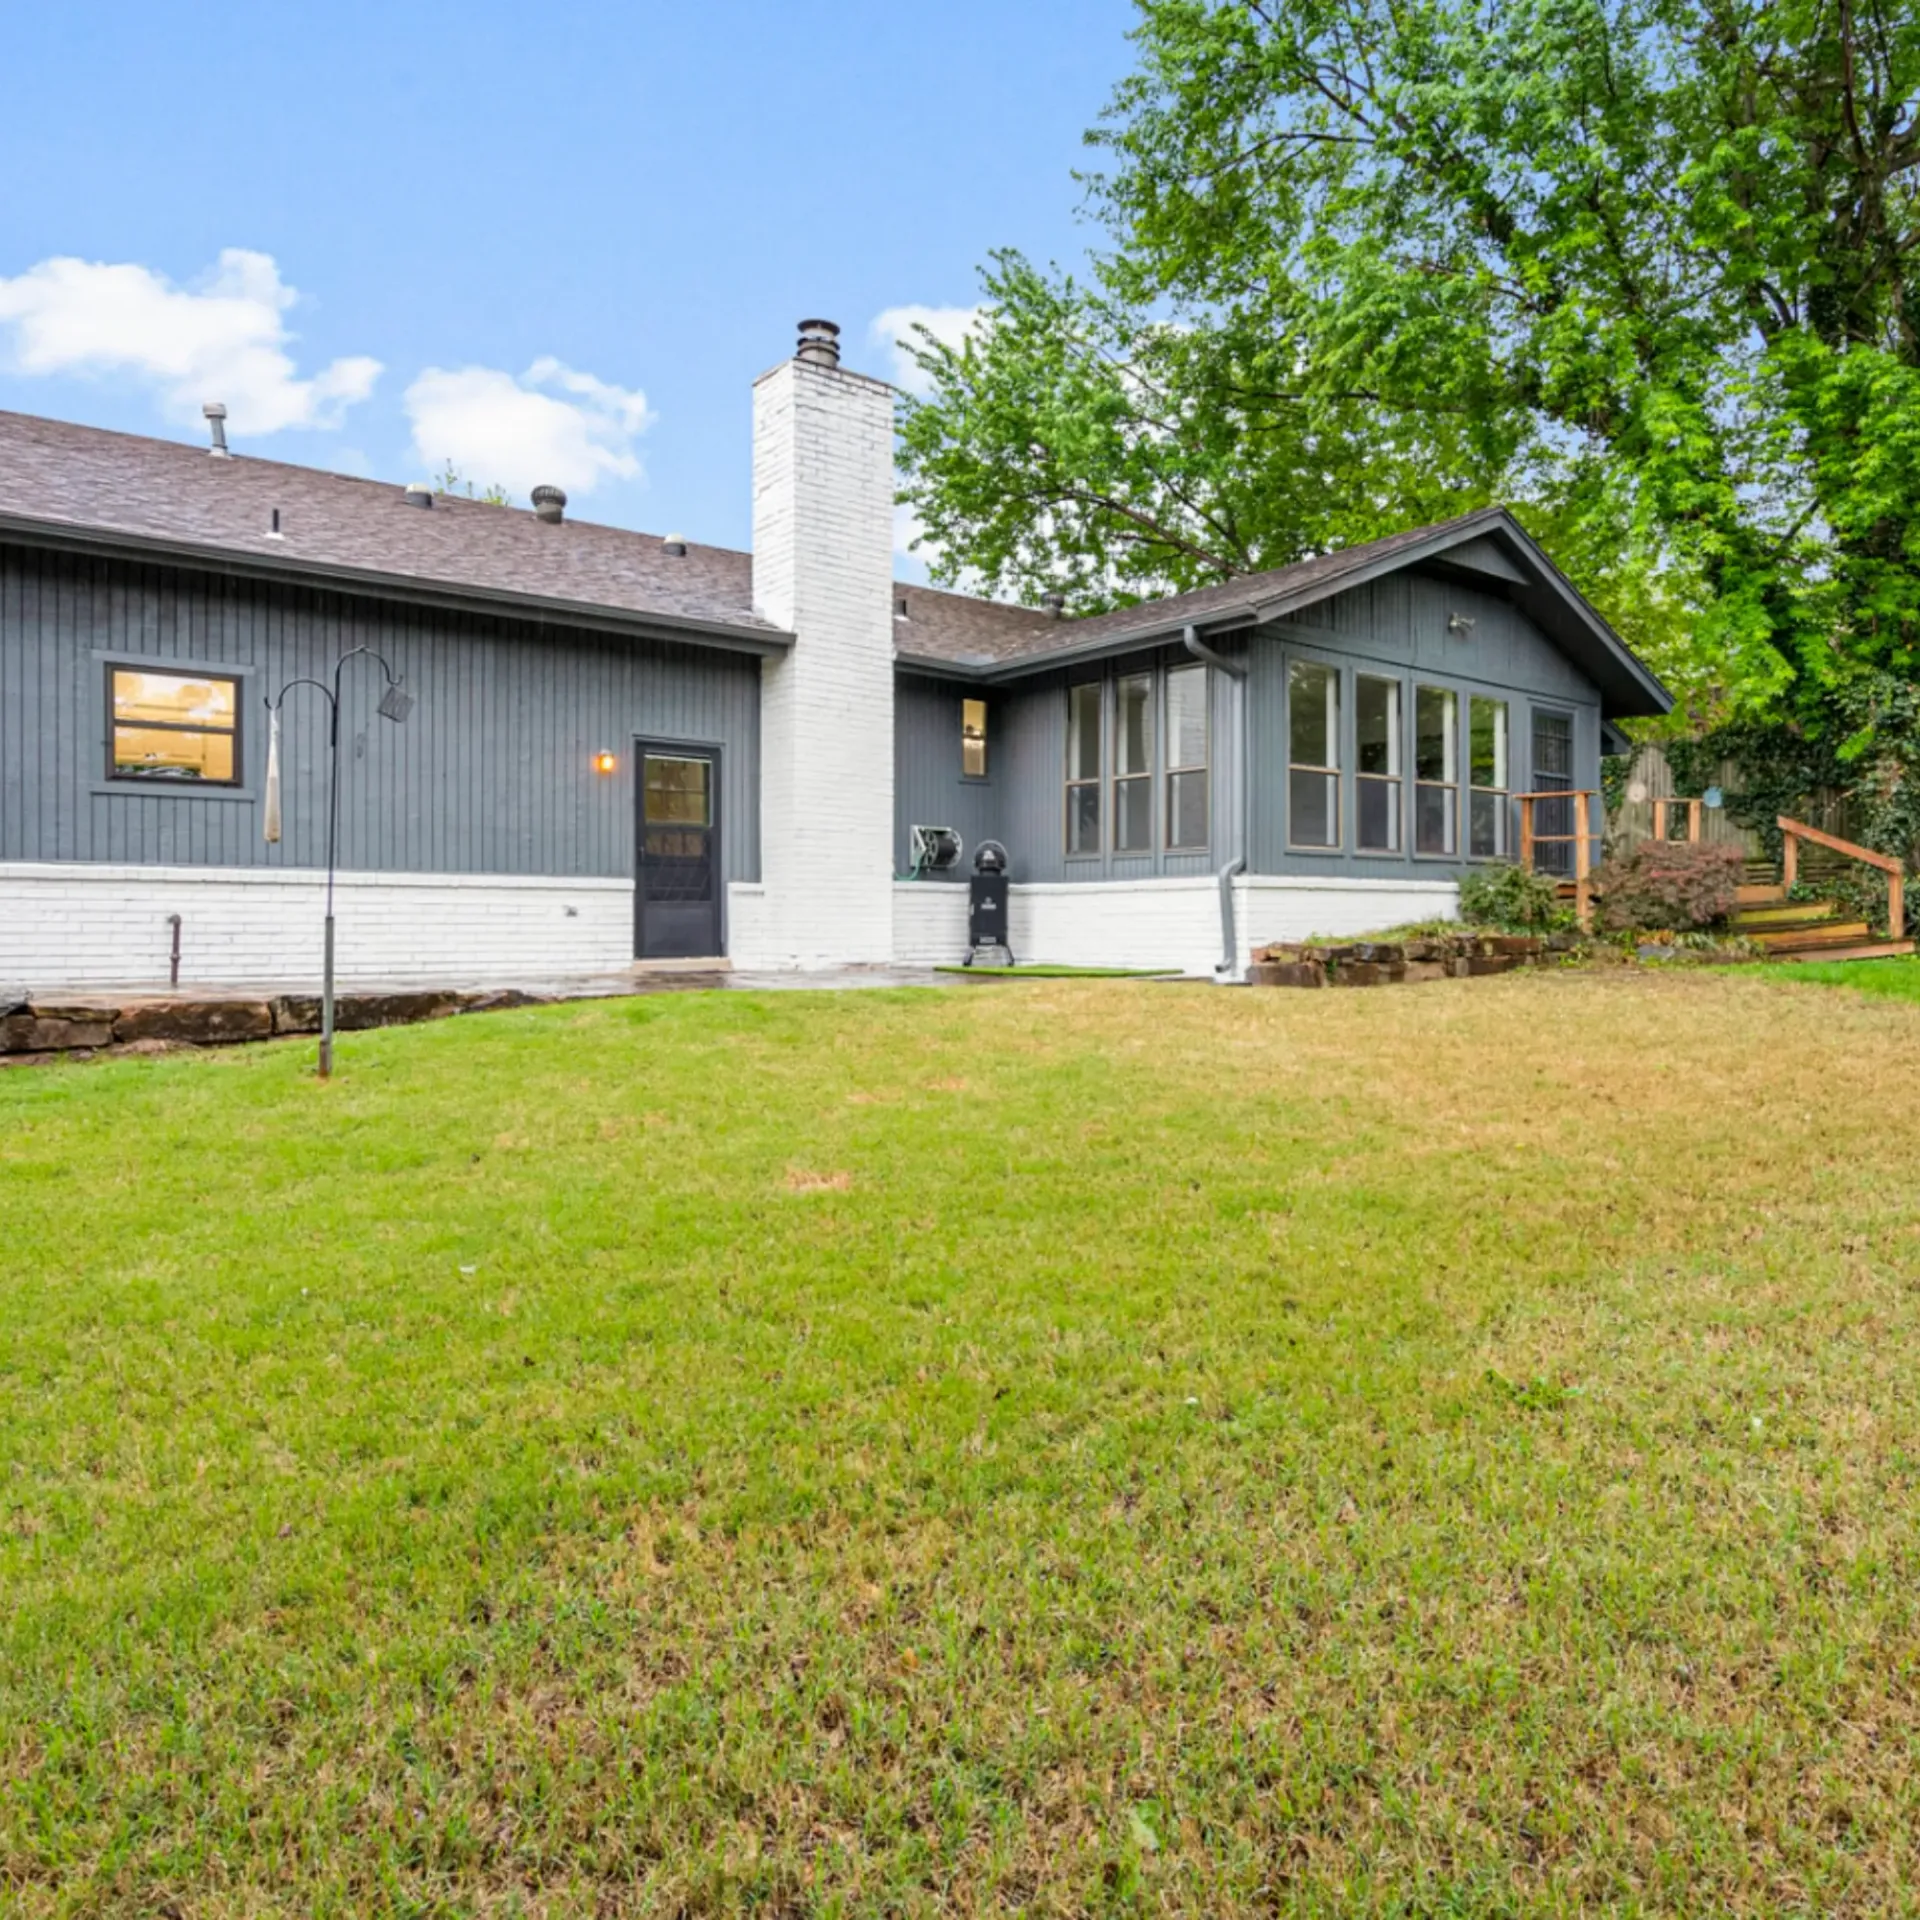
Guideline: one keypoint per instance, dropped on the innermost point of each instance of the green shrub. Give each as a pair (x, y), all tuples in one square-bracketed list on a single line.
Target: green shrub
[(1673, 885), (1511, 898)]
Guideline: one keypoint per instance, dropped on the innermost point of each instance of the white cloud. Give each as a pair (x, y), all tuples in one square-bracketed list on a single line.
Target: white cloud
[(895, 326), (225, 338), (550, 424)]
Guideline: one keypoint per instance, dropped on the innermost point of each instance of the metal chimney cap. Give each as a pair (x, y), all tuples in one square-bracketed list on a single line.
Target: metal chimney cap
[(215, 409), (215, 414), (819, 343), (549, 503)]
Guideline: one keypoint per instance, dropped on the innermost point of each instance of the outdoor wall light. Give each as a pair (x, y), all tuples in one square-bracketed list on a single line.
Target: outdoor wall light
[(604, 762)]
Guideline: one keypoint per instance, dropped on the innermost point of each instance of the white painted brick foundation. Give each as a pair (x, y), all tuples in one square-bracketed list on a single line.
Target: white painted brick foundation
[(1160, 923), (75, 925), (823, 569)]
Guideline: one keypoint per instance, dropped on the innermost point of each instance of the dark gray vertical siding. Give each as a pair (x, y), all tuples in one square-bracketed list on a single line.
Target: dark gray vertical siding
[(1399, 625), (491, 774), (928, 788)]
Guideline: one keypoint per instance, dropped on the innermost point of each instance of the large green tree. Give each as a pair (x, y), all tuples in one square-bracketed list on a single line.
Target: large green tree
[(1645, 269)]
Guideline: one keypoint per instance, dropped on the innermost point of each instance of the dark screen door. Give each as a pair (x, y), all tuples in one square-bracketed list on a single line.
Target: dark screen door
[(1553, 773), (677, 895)]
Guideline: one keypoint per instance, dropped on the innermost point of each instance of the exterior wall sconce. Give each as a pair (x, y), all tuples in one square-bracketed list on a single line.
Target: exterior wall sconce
[(1461, 624), (604, 762)]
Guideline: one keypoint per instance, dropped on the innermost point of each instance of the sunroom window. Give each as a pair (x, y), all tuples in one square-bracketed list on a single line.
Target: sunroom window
[(1376, 720), (1487, 801), (1313, 755), (1133, 765), (1083, 768), (1436, 770), (1187, 757)]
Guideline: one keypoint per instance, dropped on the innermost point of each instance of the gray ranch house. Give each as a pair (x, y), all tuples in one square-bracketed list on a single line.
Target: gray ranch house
[(626, 748)]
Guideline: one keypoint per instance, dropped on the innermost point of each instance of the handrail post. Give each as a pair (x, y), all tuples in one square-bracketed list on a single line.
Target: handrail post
[(1583, 862), (1660, 820), (1526, 831), (1693, 821), (1897, 906), (1789, 861)]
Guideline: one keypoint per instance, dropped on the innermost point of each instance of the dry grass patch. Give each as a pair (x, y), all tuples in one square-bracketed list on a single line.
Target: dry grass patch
[(1441, 1452)]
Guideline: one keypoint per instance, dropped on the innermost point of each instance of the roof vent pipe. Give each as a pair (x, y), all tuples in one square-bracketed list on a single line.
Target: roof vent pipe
[(675, 544), (1055, 604), (550, 503), (418, 494), (819, 343), (215, 413)]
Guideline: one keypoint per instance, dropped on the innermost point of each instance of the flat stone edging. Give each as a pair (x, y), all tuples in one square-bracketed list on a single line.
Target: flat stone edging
[(32, 1031)]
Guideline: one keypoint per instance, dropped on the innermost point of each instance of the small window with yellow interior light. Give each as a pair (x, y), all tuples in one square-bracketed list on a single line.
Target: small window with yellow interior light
[(173, 728)]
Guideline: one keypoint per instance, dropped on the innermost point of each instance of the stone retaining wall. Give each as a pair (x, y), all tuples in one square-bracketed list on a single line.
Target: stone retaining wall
[(40, 1030)]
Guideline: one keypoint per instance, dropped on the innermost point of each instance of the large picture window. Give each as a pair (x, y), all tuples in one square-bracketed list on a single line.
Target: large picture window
[(1487, 800), (1436, 770), (1376, 723), (180, 728), (1133, 764), (1313, 755), (1187, 757), (1083, 768)]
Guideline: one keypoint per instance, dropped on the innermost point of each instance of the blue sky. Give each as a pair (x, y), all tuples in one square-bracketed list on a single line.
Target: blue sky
[(531, 236)]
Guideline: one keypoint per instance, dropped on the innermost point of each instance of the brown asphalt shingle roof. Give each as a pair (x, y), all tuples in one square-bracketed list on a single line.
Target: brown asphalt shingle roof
[(978, 632), (89, 480), (93, 484)]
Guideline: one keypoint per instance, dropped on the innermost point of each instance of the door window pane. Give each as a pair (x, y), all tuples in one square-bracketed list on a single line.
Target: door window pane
[(677, 791), (1313, 739), (1436, 768)]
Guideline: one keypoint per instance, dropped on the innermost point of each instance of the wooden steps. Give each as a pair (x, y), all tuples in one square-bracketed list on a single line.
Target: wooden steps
[(1787, 929), (1866, 950), (1829, 933)]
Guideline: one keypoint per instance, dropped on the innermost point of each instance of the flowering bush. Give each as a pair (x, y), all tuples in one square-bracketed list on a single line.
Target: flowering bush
[(1674, 884)]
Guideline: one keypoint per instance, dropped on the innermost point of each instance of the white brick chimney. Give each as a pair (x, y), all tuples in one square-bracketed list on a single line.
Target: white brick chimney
[(823, 568)]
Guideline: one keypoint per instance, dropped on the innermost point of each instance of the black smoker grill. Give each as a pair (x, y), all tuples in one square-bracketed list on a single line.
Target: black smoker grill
[(987, 902)]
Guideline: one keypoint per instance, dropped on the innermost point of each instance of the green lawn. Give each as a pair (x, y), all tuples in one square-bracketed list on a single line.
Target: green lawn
[(1092, 1447), (1897, 979)]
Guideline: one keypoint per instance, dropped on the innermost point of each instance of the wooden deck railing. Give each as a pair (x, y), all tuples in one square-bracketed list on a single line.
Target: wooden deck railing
[(1580, 839), (1794, 831), (1694, 814)]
